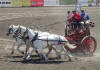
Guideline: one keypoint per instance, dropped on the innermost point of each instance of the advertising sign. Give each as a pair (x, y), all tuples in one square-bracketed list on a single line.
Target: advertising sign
[(37, 2), (26, 2), (90, 1), (51, 2), (16, 3), (5, 3)]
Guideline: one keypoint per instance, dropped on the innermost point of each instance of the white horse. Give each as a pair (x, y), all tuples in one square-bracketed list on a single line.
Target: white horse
[(18, 40), (16, 31), (43, 41), (46, 40)]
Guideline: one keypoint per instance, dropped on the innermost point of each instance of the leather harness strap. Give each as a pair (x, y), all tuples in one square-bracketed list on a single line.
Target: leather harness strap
[(59, 42), (34, 37), (47, 40)]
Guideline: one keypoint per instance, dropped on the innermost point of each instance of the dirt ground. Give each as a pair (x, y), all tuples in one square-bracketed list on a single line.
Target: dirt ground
[(50, 19)]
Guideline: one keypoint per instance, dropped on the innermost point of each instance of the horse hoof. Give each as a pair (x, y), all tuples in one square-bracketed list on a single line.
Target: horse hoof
[(46, 61), (12, 52), (70, 60), (28, 57), (59, 57), (22, 52), (24, 61), (24, 58)]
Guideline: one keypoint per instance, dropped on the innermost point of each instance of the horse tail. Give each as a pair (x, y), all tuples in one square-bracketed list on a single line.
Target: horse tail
[(70, 46)]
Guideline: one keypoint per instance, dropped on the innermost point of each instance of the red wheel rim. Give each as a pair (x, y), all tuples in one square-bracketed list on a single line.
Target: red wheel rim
[(89, 45)]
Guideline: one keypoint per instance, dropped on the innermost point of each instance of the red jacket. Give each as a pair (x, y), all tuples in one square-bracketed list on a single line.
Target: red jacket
[(76, 17)]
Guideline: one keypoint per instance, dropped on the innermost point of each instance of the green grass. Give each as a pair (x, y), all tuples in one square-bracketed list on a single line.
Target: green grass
[(67, 2)]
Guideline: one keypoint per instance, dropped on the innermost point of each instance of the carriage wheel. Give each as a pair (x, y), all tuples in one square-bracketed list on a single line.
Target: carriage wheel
[(88, 45)]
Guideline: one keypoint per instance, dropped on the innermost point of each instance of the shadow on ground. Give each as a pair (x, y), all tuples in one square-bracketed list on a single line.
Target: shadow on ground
[(36, 60)]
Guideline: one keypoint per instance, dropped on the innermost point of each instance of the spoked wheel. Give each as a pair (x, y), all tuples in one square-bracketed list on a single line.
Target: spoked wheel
[(88, 45)]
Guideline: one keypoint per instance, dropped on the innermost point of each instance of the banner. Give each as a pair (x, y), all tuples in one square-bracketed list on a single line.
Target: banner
[(37, 2), (26, 2), (5, 3), (16, 3), (90, 1), (51, 2), (67, 2), (82, 1)]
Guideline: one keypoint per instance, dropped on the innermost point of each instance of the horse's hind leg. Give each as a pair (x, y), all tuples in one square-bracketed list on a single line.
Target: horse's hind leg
[(67, 53), (50, 49), (58, 53)]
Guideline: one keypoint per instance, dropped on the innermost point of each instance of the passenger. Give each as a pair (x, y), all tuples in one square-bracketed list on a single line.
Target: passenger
[(69, 16), (76, 18), (84, 16)]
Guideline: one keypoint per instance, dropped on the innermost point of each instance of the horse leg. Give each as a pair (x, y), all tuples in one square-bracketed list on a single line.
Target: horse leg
[(37, 52), (26, 53), (58, 53), (13, 46), (27, 48), (43, 54), (67, 53), (50, 49), (29, 54), (19, 49), (19, 45)]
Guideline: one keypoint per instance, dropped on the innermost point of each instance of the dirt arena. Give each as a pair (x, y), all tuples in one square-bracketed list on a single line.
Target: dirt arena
[(50, 19)]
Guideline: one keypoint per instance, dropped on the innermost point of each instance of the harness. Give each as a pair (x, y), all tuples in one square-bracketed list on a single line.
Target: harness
[(36, 36), (47, 40), (59, 41)]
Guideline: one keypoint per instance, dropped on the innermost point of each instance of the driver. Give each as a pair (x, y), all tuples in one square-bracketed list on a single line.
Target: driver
[(69, 16), (76, 18)]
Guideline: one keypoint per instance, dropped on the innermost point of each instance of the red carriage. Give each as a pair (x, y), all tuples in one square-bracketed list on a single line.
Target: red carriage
[(82, 39)]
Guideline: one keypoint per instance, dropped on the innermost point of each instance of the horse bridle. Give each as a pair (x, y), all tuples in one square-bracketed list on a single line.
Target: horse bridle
[(18, 31), (34, 38), (9, 30)]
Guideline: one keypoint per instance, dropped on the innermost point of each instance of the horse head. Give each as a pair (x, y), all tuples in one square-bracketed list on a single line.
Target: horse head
[(10, 30), (30, 34), (19, 31), (13, 29)]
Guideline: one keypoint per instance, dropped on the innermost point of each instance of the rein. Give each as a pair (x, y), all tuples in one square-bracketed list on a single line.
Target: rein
[(50, 40), (35, 38)]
